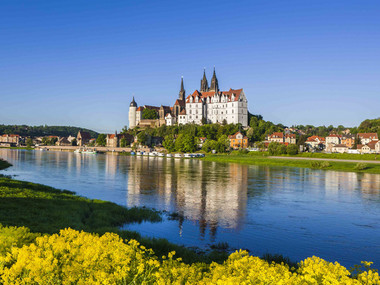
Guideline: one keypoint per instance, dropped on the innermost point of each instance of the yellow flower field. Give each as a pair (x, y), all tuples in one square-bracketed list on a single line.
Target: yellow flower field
[(73, 257)]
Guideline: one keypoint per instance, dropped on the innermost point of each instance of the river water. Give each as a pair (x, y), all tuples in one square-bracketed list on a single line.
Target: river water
[(296, 212)]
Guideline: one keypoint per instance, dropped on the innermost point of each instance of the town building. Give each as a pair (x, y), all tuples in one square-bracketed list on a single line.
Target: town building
[(83, 138), (208, 105), (10, 140), (63, 141), (315, 143), (332, 140), (367, 137), (238, 141), (279, 137), (339, 148), (348, 140), (114, 140)]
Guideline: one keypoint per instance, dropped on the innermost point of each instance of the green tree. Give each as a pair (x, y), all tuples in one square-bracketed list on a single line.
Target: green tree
[(123, 142), (149, 114), (168, 143), (142, 137), (29, 142), (292, 149), (101, 140)]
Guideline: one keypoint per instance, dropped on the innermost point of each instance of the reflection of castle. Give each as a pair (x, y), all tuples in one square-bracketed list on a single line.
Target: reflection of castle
[(213, 196)]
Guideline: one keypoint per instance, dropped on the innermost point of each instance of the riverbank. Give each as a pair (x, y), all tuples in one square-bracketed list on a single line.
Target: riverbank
[(260, 159)]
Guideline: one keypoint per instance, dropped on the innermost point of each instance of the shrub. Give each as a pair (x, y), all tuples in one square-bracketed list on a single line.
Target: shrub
[(292, 149), (361, 166), (320, 164)]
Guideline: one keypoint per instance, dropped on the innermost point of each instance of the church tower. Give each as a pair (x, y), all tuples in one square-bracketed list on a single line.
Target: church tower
[(204, 83), (132, 114), (214, 83), (182, 91)]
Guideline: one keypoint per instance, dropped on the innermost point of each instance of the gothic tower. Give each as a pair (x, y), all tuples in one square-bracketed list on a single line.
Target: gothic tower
[(132, 114), (214, 83), (204, 83), (182, 91)]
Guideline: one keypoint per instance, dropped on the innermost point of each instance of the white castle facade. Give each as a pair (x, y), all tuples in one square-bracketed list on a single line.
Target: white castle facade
[(208, 105)]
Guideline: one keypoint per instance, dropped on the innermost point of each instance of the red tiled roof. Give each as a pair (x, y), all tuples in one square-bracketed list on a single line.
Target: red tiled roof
[(179, 102), (368, 136), (276, 135), (140, 108), (372, 144), (290, 136), (314, 138), (340, 145)]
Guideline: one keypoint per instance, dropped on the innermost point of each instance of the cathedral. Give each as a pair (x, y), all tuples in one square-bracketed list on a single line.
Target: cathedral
[(208, 105)]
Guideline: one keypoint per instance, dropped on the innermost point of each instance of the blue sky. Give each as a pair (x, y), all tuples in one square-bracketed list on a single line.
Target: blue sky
[(80, 62)]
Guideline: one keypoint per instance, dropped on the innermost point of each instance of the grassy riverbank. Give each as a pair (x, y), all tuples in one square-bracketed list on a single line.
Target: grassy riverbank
[(263, 159)]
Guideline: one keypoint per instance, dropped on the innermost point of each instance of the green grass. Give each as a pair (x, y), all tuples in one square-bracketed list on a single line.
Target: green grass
[(352, 156), (17, 147), (263, 159)]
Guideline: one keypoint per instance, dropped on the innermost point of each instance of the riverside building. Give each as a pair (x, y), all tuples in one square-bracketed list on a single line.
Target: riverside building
[(208, 105)]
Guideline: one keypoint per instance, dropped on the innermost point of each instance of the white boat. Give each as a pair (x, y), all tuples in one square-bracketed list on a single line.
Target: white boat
[(139, 153), (160, 154), (187, 155), (153, 153), (169, 155), (146, 153), (86, 151), (178, 155)]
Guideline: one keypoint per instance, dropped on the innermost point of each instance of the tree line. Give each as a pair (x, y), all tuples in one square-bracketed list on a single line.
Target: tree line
[(41, 131)]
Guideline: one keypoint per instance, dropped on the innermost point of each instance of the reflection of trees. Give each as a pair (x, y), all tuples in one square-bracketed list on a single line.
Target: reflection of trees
[(209, 193)]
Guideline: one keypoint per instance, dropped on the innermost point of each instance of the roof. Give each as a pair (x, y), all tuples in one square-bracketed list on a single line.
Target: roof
[(290, 136), (204, 95), (84, 135), (372, 144), (179, 102), (277, 135), (183, 112), (234, 136), (11, 135), (333, 136), (368, 136), (314, 138), (139, 108)]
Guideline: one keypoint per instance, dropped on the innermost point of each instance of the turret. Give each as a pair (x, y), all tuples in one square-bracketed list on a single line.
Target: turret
[(182, 92), (204, 83), (214, 83), (132, 114)]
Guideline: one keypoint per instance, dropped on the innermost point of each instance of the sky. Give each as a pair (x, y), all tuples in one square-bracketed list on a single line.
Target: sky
[(79, 63)]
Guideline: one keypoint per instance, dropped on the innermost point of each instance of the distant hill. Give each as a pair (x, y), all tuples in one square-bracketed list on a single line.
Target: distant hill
[(37, 131)]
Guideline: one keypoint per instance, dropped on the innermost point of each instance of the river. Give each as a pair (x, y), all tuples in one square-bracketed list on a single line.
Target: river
[(296, 212)]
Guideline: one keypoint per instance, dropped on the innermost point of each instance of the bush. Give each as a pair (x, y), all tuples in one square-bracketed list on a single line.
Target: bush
[(73, 257), (292, 149), (361, 166), (320, 164)]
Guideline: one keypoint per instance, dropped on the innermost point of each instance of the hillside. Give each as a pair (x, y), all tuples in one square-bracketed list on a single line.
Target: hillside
[(36, 131)]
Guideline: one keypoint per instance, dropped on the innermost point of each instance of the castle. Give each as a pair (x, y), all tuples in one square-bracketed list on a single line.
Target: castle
[(208, 105)]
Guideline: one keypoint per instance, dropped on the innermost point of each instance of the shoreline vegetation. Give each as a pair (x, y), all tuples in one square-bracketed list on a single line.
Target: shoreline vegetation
[(54, 236), (262, 158)]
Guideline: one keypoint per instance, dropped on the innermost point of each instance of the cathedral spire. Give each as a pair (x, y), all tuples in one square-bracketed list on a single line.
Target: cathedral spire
[(214, 83), (182, 91), (204, 83)]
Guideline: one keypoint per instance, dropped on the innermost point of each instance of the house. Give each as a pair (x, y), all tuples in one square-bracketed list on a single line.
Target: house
[(315, 143), (276, 137), (114, 140), (348, 140), (290, 138), (182, 117), (332, 140), (367, 137), (10, 140), (169, 119), (63, 141), (201, 141), (238, 141), (369, 147), (339, 148), (83, 138)]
